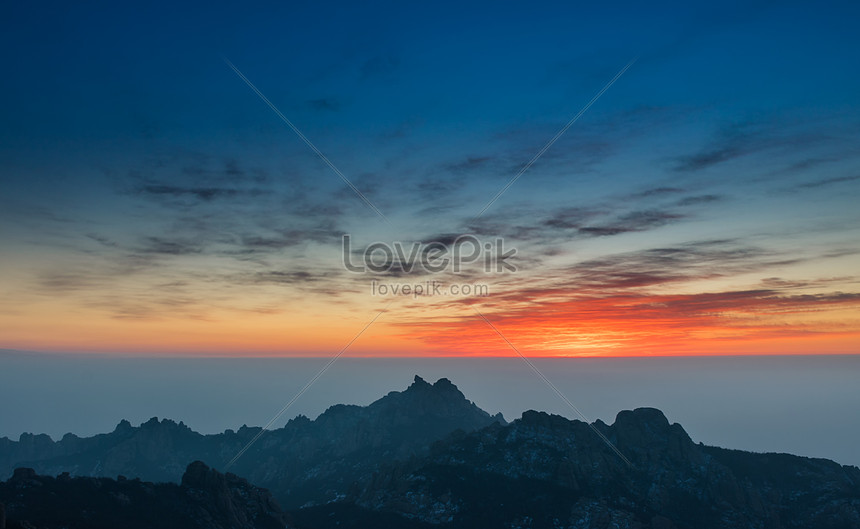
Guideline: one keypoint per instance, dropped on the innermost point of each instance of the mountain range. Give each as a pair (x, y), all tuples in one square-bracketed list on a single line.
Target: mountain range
[(428, 457)]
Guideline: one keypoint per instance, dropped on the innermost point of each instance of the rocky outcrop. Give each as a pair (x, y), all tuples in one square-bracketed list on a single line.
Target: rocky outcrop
[(205, 499)]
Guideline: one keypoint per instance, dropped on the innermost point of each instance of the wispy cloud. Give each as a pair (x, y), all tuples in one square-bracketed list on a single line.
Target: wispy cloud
[(828, 182), (201, 193), (635, 221), (750, 138), (325, 104), (700, 199), (469, 164)]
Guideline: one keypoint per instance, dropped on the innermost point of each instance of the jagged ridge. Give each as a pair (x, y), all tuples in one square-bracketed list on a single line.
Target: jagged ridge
[(305, 461), (547, 471)]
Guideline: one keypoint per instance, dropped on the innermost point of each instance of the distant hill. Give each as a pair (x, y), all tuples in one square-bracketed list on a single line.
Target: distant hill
[(427, 457)]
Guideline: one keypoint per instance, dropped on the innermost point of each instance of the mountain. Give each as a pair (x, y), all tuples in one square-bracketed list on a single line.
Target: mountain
[(205, 499), (306, 461), (547, 471), (428, 458)]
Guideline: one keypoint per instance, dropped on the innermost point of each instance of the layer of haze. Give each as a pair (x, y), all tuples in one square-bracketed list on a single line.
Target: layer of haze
[(801, 404)]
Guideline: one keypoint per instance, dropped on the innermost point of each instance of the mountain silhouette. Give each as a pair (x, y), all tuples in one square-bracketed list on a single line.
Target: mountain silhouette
[(305, 461), (206, 499), (427, 457), (547, 471)]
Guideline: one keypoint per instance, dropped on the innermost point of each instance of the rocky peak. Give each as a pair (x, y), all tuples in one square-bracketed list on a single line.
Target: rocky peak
[(198, 475), (22, 475), (157, 427), (648, 418), (424, 411), (123, 426), (418, 383), (444, 383), (69, 437), (646, 431), (35, 439), (442, 399), (542, 418), (647, 425)]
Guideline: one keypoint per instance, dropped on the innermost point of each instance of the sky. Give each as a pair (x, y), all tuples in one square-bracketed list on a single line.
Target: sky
[(153, 203)]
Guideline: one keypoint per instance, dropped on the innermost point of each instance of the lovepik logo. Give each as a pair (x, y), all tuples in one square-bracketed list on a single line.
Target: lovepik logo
[(428, 257)]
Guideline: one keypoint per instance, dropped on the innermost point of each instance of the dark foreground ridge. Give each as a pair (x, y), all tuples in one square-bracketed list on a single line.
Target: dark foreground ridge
[(427, 457), (205, 499)]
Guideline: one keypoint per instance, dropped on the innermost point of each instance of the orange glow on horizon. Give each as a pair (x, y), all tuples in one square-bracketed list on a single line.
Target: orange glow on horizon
[(613, 326)]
